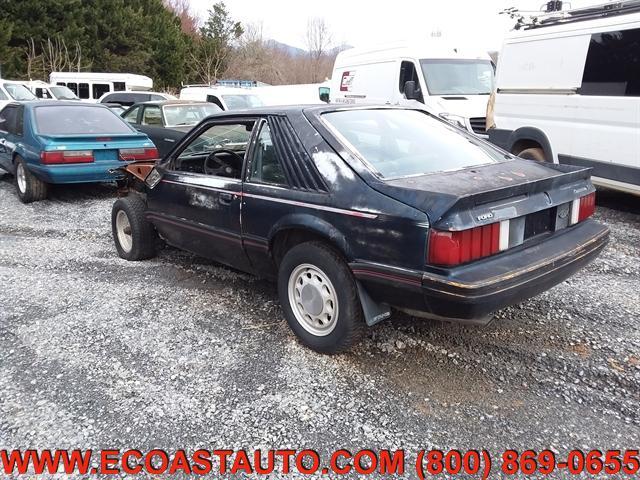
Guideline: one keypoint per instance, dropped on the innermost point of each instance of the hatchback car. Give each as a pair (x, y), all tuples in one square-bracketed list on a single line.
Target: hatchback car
[(166, 122), (45, 142), (358, 210)]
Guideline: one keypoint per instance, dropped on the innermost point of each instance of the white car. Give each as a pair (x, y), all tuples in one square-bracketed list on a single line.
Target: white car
[(450, 83), (11, 90), (568, 92), (227, 98), (46, 91), (128, 98)]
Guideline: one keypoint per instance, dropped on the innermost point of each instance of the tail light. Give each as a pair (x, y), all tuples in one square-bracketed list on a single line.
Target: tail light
[(66, 156), (583, 207), (455, 248), (129, 154)]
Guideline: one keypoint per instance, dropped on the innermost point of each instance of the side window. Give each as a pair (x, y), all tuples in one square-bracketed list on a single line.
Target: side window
[(100, 89), (73, 87), (151, 115), (216, 100), (219, 150), (83, 90), (132, 116), (62, 84), (265, 166), (8, 119), (3, 96), (119, 87), (19, 123), (612, 65), (408, 73)]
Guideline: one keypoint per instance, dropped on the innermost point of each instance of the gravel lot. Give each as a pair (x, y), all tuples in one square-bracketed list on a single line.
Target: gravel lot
[(177, 352)]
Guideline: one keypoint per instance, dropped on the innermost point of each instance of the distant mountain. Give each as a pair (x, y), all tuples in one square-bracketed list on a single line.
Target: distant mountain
[(300, 52)]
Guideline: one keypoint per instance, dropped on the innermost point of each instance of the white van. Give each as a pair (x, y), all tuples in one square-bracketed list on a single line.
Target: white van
[(46, 91), (227, 98), (90, 86), (568, 91), (12, 91), (301, 94), (450, 83)]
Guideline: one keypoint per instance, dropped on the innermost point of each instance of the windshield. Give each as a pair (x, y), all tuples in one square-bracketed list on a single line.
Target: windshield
[(458, 77), (63, 93), (399, 143), (238, 102), (19, 92), (177, 115), (78, 120)]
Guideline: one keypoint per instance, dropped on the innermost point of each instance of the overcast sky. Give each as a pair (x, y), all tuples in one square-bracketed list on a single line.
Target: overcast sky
[(467, 23)]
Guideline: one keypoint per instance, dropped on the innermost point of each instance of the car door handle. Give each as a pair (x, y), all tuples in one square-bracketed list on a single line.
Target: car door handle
[(226, 198)]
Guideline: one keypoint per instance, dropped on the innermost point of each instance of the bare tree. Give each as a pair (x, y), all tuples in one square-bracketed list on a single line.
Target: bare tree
[(32, 58), (189, 22), (318, 39)]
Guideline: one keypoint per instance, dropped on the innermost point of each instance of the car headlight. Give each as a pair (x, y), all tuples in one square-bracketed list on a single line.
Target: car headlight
[(456, 120)]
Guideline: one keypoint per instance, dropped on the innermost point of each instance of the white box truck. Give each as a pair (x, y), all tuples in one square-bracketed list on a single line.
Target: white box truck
[(450, 83)]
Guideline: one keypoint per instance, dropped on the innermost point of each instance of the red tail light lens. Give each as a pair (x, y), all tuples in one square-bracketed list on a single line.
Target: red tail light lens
[(455, 248), (129, 154), (587, 206), (66, 156)]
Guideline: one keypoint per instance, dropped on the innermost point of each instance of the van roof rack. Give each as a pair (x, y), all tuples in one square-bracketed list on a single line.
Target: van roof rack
[(575, 15)]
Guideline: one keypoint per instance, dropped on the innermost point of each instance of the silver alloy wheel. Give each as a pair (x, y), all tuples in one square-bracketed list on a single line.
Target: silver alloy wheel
[(123, 230), (313, 300), (21, 177)]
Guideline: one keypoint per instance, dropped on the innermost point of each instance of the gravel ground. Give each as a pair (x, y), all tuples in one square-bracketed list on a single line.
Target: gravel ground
[(177, 352)]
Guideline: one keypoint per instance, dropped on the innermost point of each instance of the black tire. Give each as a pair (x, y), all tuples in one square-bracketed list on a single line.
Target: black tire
[(142, 234), (534, 153), (348, 325), (29, 188)]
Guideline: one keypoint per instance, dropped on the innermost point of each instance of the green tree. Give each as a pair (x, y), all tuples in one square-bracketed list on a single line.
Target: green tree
[(210, 53)]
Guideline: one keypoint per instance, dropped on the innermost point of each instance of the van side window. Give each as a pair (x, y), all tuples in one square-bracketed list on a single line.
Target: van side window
[(119, 87), (100, 89), (83, 90), (408, 73), (73, 87), (613, 63)]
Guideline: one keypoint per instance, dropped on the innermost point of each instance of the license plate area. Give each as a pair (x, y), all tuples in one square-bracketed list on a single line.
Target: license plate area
[(103, 155), (540, 222)]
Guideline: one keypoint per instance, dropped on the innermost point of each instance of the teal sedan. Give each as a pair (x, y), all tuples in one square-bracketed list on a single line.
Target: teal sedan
[(45, 142)]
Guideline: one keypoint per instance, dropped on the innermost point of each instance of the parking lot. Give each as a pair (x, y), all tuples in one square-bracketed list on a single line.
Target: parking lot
[(177, 352)]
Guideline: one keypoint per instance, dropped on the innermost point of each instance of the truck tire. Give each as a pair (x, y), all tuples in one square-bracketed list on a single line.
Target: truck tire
[(319, 297), (134, 236), (29, 188), (533, 153)]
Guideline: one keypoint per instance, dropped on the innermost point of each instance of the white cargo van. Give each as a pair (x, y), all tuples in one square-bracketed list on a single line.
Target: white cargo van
[(450, 83), (90, 86), (568, 91), (227, 98)]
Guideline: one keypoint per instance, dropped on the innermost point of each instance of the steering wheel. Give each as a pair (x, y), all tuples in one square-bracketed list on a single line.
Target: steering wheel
[(215, 165)]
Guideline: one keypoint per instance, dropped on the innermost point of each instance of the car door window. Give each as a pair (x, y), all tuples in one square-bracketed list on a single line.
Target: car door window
[(218, 150), (265, 165), (3, 96), (152, 116), (132, 116), (8, 119)]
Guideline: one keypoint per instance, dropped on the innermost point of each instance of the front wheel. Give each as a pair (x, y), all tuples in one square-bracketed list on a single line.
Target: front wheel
[(133, 234), (30, 188), (319, 297)]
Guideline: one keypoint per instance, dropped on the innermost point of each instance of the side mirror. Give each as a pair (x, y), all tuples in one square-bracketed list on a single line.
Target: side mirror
[(410, 90), (324, 94)]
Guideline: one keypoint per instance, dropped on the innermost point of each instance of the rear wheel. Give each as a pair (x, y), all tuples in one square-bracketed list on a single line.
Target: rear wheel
[(133, 234), (319, 297), (534, 153), (30, 189)]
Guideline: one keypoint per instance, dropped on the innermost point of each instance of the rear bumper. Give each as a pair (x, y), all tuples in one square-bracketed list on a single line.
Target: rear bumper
[(78, 173), (472, 292)]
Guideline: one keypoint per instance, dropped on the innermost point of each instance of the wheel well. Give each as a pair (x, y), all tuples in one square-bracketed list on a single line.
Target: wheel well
[(522, 145), (285, 240)]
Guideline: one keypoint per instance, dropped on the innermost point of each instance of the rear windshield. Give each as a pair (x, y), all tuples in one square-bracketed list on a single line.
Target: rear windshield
[(240, 102), (78, 120), (399, 143)]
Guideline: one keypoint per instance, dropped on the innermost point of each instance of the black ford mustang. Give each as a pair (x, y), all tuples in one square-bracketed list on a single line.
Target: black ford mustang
[(357, 210)]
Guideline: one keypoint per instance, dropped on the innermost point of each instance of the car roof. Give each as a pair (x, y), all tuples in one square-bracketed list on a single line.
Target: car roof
[(162, 103), (314, 109), (58, 103)]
